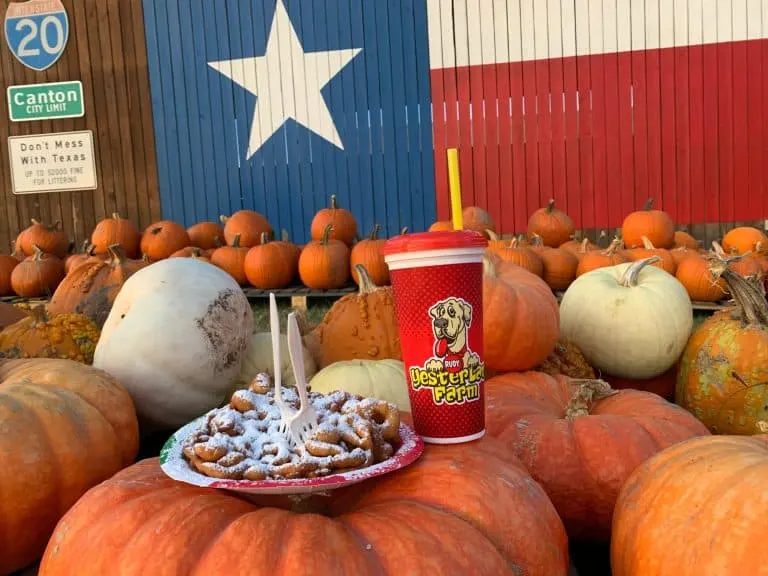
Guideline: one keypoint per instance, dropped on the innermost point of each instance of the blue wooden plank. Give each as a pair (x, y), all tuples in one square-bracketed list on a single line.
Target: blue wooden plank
[(423, 81), (155, 65)]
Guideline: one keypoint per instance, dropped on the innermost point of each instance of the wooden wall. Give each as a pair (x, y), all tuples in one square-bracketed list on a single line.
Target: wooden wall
[(107, 52)]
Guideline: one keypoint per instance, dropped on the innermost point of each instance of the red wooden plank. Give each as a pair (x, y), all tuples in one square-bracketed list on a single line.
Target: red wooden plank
[(559, 175), (506, 173), (599, 142), (572, 157), (642, 193), (439, 134), (725, 129), (477, 98), (544, 124), (626, 137), (711, 147), (668, 130), (613, 141), (653, 120), (764, 155), (518, 147), (451, 97), (740, 133), (531, 138), (755, 114), (465, 136), (584, 77), (492, 187), (682, 129), (696, 132)]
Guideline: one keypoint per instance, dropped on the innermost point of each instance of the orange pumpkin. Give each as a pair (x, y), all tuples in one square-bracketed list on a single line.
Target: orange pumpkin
[(594, 259), (666, 262), (116, 230), (577, 245), (249, 225), (554, 226), (706, 495), (695, 275), (724, 369), (744, 239), (38, 275), (342, 222), (495, 242), (91, 288), (681, 253), (454, 511), (514, 300), (655, 225), (359, 326), (231, 259), (162, 239), (559, 265), (685, 240), (441, 226), (324, 263), (521, 256), (581, 440), (49, 239), (270, 265), (74, 260), (194, 252), (744, 264), (477, 219), (206, 235), (294, 249), (368, 253), (7, 266), (66, 428)]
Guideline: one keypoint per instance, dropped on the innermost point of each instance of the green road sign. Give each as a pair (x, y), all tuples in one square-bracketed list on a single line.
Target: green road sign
[(50, 101)]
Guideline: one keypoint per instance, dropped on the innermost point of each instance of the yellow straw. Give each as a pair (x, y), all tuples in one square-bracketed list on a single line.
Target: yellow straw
[(455, 183)]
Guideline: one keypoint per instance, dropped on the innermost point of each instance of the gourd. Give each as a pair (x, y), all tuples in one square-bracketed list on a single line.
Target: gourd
[(581, 440), (116, 230), (455, 511), (656, 225), (66, 428), (258, 360), (342, 222), (553, 226), (382, 379), (631, 320), (176, 338)]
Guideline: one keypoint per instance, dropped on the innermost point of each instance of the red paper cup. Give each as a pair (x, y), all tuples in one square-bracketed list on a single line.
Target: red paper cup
[(437, 279)]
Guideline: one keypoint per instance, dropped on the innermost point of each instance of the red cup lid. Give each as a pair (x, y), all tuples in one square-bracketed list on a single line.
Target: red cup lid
[(426, 241)]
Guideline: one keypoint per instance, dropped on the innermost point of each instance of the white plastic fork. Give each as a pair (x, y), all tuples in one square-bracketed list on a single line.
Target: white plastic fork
[(286, 412), (304, 421)]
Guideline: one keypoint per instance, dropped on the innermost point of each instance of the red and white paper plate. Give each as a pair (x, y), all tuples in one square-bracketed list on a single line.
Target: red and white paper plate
[(175, 466)]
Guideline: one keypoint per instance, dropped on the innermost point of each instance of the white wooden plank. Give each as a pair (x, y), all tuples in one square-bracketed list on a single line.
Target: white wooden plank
[(582, 27), (500, 33), (652, 32), (487, 34), (474, 34), (739, 19), (666, 23), (638, 25), (765, 20), (527, 30), (596, 27), (461, 33), (514, 31), (541, 29), (567, 17), (724, 21), (446, 27), (435, 34), (623, 25), (681, 22), (754, 19), (695, 22), (610, 36), (554, 29)]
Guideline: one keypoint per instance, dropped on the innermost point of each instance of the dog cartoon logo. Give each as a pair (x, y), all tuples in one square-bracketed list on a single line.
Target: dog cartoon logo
[(451, 319)]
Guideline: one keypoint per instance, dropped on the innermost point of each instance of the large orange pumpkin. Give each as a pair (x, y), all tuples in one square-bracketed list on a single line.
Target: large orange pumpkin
[(162, 239), (744, 239), (655, 225), (116, 230), (231, 259), (66, 427), (552, 225), (368, 253), (685, 240), (250, 225), (559, 264), (206, 235), (648, 250), (695, 275), (724, 368), (696, 509), (342, 222), (324, 263), (515, 253), (458, 510), (271, 265), (37, 275), (521, 318), (581, 440), (50, 239), (590, 260)]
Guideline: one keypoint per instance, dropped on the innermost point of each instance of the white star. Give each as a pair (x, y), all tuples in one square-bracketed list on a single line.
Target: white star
[(287, 82)]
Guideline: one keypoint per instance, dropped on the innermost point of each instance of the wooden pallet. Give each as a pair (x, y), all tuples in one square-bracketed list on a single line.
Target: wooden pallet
[(299, 294)]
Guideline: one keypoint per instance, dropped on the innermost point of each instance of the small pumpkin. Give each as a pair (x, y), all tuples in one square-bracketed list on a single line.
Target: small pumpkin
[(581, 440), (666, 262), (258, 360), (695, 275), (162, 239), (705, 494), (382, 379), (559, 264), (359, 326), (567, 359), (656, 225), (743, 264), (206, 235), (250, 225), (553, 226), (7, 266), (477, 219), (685, 240), (744, 239), (44, 335), (724, 368), (116, 230), (368, 253), (49, 239), (295, 248), (66, 428), (680, 253), (271, 265), (522, 256), (342, 222), (631, 320), (577, 245), (74, 260), (441, 226), (193, 252), (231, 259), (591, 260), (38, 275), (92, 287), (514, 300), (324, 263)]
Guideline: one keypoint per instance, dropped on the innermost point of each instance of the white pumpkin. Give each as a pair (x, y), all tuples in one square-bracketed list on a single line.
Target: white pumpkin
[(175, 338), (631, 320), (382, 379), (258, 360)]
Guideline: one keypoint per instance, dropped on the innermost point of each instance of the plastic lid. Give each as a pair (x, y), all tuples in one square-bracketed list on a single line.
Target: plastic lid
[(426, 241)]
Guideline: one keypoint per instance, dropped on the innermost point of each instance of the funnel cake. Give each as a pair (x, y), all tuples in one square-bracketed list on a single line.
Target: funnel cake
[(240, 441)]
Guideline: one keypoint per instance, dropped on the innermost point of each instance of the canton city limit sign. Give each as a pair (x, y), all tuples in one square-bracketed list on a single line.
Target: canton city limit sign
[(55, 100), (37, 32)]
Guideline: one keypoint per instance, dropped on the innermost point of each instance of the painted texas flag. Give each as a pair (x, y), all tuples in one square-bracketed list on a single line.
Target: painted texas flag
[(601, 104)]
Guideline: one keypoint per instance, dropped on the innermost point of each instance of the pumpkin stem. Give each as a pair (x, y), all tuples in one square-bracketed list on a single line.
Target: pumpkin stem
[(647, 244), (264, 239), (364, 280), (631, 274), (489, 267), (155, 231), (747, 295), (35, 222), (145, 258), (550, 207), (116, 216), (116, 255), (284, 236), (236, 241), (195, 252), (333, 202), (374, 233), (404, 231), (492, 236), (90, 249), (588, 392), (223, 219), (536, 240), (613, 247), (584, 246), (648, 204), (38, 253), (514, 243), (762, 427), (326, 234)]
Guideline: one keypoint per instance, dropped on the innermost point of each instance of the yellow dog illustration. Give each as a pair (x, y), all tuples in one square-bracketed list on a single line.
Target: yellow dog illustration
[(451, 319)]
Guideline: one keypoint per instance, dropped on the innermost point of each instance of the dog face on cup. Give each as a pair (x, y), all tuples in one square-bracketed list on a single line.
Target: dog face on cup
[(450, 321)]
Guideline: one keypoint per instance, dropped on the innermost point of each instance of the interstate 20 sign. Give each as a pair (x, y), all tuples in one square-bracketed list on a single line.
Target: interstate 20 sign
[(37, 32)]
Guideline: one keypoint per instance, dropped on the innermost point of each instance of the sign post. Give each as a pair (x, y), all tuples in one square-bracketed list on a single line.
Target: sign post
[(37, 32), (52, 101)]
